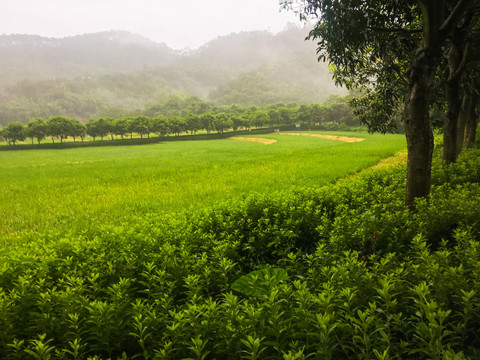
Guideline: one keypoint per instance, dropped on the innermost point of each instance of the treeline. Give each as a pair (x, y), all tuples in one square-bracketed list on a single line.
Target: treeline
[(170, 119)]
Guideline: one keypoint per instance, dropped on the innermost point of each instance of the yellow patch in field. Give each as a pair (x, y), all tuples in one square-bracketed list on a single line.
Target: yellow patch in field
[(400, 158), (347, 139), (258, 140)]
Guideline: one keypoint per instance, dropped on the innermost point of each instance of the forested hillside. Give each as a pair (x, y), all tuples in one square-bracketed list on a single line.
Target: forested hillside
[(38, 58), (86, 75)]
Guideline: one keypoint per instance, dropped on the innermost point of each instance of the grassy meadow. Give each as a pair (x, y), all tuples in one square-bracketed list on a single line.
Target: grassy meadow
[(74, 189)]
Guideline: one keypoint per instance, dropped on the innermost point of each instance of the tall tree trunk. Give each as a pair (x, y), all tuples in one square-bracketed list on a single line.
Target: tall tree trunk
[(454, 104), (417, 126), (462, 122), (453, 129), (472, 120)]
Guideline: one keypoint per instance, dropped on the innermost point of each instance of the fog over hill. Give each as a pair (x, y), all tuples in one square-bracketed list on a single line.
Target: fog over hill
[(36, 58), (81, 76)]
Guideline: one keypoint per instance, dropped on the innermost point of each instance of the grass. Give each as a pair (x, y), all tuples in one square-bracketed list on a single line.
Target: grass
[(74, 189)]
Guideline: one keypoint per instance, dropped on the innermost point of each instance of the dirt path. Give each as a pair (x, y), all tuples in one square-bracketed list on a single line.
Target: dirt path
[(258, 140), (347, 139)]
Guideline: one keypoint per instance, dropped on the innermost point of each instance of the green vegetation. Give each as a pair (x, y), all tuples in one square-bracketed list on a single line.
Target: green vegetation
[(415, 59), (249, 248), (339, 271), (188, 114), (87, 187)]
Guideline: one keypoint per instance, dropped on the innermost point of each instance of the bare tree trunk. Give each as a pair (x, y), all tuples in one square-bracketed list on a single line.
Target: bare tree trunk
[(454, 105), (453, 129), (462, 122), (472, 121), (417, 126)]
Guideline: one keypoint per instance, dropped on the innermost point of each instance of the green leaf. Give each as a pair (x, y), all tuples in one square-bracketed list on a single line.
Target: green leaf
[(259, 282)]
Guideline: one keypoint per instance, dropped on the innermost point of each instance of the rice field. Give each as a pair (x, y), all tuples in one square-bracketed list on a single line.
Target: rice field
[(75, 189)]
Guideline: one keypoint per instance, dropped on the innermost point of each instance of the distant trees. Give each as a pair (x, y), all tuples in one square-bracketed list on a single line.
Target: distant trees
[(14, 132), (222, 122), (140, 125), (78, 130), (60, 127), (177, 125), (99, 127), (37, 129), (218, 119), (193, 123), (160, 125), (121, 126)]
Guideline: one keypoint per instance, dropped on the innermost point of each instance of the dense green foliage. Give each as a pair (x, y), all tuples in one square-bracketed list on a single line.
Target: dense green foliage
[(366, 278)]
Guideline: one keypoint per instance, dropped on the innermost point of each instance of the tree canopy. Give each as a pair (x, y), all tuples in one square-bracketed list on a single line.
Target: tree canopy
[(391, 51)]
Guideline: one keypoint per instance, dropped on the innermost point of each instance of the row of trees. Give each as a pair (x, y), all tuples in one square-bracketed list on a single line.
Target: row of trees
[(60, 127), (409, 57)]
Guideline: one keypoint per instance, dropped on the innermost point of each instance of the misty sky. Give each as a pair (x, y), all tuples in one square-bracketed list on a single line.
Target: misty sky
[(178, 23)]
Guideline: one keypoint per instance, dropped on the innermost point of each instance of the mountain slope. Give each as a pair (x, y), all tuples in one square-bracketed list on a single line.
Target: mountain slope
[(35, 57), (83, 76)]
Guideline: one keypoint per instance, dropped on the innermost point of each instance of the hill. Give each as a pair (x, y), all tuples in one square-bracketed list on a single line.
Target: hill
[(85, 75), (38, 58)]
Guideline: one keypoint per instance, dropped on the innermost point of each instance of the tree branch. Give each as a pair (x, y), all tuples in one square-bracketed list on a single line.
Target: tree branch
[(454, 17), (459, 71)]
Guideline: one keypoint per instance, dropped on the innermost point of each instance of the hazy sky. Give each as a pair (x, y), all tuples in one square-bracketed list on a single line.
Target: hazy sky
[(178, 23)]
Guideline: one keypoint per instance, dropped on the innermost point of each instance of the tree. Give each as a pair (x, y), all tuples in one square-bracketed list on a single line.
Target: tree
[(239, 120), (193, 123), (120, 126), (315, 113), (467, 118), (471, 103), (285, 116), (222, 122), (274, 116), (78, 130), (140, 125), (460, 43), (103, 127), (37, 129), (260, 118), (131, 126), (177, 124), (14, 132), (110, 126), (207, 121), (98, 127), (60, 127), (390, 48), (160, 125)]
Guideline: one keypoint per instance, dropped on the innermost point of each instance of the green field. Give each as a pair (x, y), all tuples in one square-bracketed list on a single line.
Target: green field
[(73, 189)]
